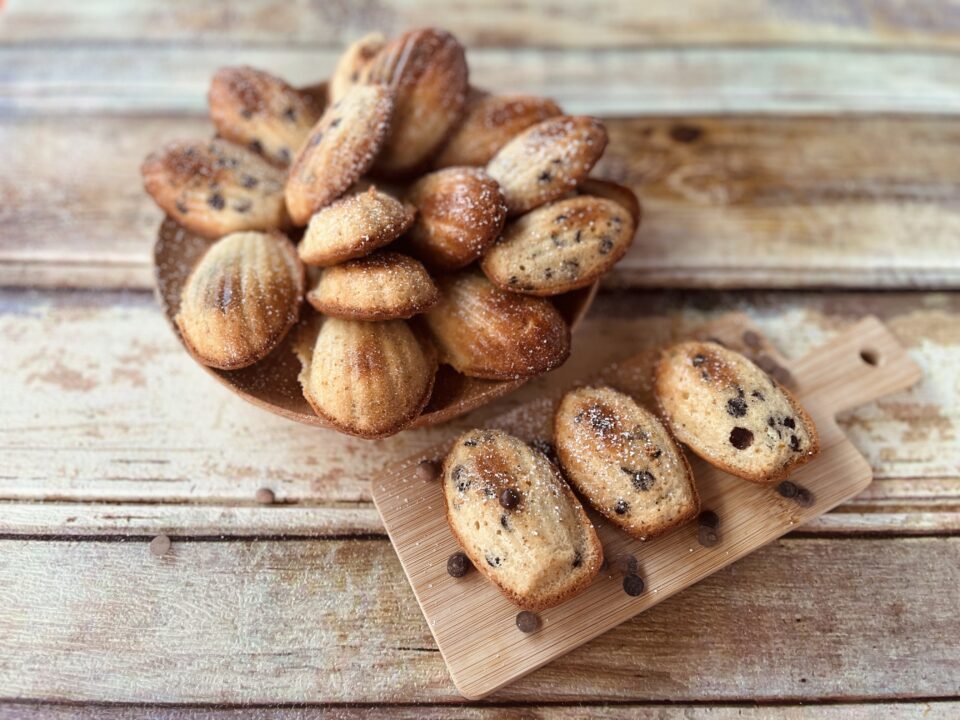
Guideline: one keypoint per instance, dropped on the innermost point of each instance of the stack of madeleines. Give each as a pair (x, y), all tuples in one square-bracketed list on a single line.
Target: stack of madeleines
[(519, 522), (439, 220)]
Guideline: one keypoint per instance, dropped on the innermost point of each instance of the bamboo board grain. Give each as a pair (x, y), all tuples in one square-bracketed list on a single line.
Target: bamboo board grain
[(474, 625)]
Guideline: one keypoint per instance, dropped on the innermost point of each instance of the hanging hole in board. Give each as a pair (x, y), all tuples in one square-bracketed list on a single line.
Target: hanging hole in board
[(870, 357)]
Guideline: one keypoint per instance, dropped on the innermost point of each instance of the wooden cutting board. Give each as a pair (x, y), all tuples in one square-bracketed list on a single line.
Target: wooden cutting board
[(475, 626)]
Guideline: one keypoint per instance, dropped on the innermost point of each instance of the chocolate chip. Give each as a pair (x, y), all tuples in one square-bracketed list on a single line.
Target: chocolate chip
[(737, 407), (256, 146), (633, 585), (427, 470), (216, 201), (249, 181), (335, 122), (265, 496), (504, 521), (513, 280), (766, 363), (758, 395), (545, 176), (707, 536), (560, 218), (685, 133), (787, 489), (709, 518), (782, 375), (290, 114), (577, 558), (246, 113), (621, 507), (160, 545), (771, 422), (545, 447), (528, 622), (509, 498), (751, 339), (489, 490), (741, 438), (642, 480), (470, 443), (698, 360), (795, 443), (492, 561), (457, 475), (626, 564), (284, 155), (804, 497), (181, 207), (606, 245), (790, 423), (242, 206), (458, 565)]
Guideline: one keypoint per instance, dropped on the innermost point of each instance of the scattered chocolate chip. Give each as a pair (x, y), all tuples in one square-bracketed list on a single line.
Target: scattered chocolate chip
[(606, 245), (181, 207), (758, 395), (560, 218), (216, 201), (457, 565), (621, 507), (737, 407), (804, 497), (504, 521), (626, 564), (509, 498), (246, 113), (160, 545), (707, 536), (470, 443), (787, 489), (284, 155), (513, 280), (545, 176), (492, 561), (782, 375), (698, 360), (642, 480), (528, 622), (457, 475), (709, 518), (265, 496), (685, 133), (256, 146), (290, 114), (577, 237), (335, 122), (249, 181), (577, 558), (633, 585), (751, 340), (489, 490), (242, 206), (771, 422), (427, 470), (790, 423), (795, 443), (741, 438)]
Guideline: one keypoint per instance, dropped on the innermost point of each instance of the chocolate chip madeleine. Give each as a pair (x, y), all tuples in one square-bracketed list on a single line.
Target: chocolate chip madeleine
[(731, 413), (353, 63), (260, 111), (214, 187), (241, 299), (622, 460), (486, 332), (517, 520), (369, 379)]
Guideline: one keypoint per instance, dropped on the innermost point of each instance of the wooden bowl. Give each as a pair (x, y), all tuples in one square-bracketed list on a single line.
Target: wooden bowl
[(272, 383)]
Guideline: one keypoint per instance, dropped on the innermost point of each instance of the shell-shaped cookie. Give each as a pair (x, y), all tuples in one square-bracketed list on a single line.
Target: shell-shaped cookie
[(427, 70), (731, 413), (352, 64), (560, 246), (547, 160), (260, 111), (486, 332), (620, 194), (623, 462), (241, 299), (214, 187), (382, 286), (489, 123), (340, 148), (517, 520), (369, 379), (354, 226), (460, 212)]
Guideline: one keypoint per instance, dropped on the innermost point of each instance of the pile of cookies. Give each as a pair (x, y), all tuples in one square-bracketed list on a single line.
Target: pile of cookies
[(434, 223), (510, 506)]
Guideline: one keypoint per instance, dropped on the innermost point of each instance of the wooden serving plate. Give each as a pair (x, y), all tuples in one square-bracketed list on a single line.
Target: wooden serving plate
[(474, 625), (272, 383)]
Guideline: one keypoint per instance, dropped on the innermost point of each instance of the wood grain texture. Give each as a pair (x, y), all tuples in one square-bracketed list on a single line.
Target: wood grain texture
[(596, 23), (334, 621), (771, 202), (110, 428)]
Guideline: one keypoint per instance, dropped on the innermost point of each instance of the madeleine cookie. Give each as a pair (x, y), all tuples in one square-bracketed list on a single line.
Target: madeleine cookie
[(460, 212), (489, 123), (260, 111), (622, 460), (340, 148), (427, 70), (354, 226), (560, 247), (353, 63), (623, 196), (369, 379), (517, 520), (547, 160), (241, 299), (214, 187), (731, 413), (382, 286), (486, 332)]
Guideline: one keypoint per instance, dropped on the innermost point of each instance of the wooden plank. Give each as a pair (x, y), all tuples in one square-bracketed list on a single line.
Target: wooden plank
[(936, 710), (595, 23), (145, 79), (749, 202), (334, 621), (121, 432)]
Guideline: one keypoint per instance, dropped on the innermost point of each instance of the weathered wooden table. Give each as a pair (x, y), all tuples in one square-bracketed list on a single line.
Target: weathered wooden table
[(799, 161)]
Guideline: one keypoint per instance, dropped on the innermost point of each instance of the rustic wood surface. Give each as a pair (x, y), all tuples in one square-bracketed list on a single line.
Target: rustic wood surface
[(826, 158)]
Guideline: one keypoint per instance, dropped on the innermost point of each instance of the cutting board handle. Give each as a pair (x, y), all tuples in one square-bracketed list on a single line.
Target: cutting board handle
[(861, 364)]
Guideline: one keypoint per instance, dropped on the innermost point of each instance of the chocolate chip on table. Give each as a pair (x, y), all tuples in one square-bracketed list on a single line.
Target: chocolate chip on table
[(709, 518), (707, 536), (782, 376), (751, 340), (427, 470), (457, 565), (804, 497), (528, 622), (787, 489), (265, 496), (626, 564), (160, 545), (633, 585), (741, 438), (509, 498)]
